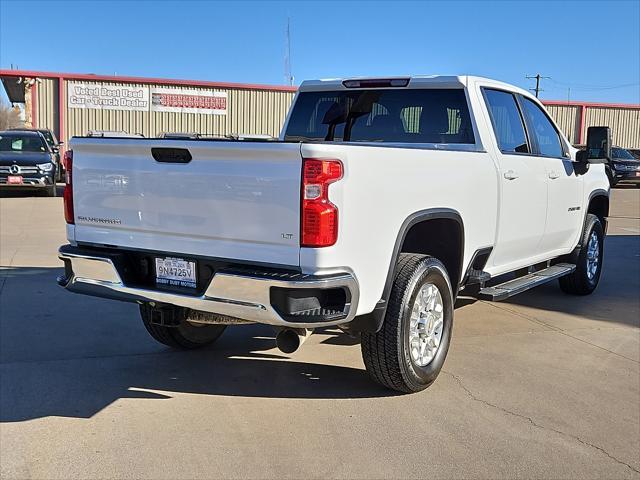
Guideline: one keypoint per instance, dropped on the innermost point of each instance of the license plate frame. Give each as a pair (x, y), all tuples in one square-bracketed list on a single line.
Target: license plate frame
[(176, 272), (15, 180)]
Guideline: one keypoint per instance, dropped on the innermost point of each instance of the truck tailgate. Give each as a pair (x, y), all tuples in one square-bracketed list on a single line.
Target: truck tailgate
[(233, 200)]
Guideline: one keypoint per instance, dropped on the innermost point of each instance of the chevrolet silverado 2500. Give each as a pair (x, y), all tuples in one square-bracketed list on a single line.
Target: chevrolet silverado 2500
[(382, 200)]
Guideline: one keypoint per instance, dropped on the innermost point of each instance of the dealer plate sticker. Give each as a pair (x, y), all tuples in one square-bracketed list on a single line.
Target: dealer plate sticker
[(175, 272), (14, 180)]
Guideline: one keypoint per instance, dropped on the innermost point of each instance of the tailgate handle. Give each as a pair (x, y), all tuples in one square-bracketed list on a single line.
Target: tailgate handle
[(171, 155)]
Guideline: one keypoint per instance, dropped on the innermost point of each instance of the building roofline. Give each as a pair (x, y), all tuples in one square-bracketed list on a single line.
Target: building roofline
[(242, 86), (575, 103), (145, 80)]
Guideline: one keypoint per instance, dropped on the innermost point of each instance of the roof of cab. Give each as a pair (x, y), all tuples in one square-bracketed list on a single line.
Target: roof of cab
[(415, 81), (20, 132)]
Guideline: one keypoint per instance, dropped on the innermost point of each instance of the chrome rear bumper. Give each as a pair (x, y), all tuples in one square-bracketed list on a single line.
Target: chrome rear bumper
[(240, 295)]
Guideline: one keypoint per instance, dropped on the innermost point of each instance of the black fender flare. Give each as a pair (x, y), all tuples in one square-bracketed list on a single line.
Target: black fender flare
[(573, 255), (372, 322), (598, 192)]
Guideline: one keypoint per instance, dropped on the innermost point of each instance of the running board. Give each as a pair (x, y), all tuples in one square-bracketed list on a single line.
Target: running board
[(508, 289)]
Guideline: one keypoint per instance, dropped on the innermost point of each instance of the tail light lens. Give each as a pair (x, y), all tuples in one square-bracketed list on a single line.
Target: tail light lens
[(319, 226), (68, 187)]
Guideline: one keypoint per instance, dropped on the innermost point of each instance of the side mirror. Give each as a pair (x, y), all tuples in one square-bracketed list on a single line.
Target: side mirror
[(581, 165), (581, 156), (598, 145)]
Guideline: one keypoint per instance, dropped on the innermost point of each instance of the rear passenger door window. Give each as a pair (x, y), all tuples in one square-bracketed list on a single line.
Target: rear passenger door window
[(542, 129), (507, 122)]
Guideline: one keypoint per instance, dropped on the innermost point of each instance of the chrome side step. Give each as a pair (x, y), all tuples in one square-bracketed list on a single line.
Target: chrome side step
[(522, 284)]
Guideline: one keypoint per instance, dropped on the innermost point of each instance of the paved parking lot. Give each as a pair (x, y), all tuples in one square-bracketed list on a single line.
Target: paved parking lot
[(542, 386)]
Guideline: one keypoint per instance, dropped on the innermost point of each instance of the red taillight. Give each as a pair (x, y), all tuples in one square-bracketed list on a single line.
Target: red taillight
[(68, 187), (319, 226)]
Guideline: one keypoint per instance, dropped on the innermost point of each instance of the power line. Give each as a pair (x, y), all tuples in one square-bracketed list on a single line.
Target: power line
[(538, 77), (582, 86)]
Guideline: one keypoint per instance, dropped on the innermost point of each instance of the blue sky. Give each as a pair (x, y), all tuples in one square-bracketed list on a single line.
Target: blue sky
[(591, 47)]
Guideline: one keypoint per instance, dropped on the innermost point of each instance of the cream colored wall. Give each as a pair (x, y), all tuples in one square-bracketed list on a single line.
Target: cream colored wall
[(248, 111), (624, 122)]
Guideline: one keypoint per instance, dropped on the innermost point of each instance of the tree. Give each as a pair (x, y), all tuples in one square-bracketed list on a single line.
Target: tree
[(9, 117)]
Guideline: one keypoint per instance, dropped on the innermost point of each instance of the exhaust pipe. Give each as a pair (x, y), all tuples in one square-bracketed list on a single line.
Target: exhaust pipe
[(288, 340)]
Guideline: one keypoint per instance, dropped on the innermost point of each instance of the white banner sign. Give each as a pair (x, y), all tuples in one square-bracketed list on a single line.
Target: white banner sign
[(107, 97), (188, 101)]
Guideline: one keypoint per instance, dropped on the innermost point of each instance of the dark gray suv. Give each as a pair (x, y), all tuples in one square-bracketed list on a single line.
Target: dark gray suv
[(54, 144), (625, 168), (27, 161)]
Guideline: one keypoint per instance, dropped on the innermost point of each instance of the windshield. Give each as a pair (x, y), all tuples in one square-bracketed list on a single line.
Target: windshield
[(16, 142), (48, 137), (382, 115), (621, 154)]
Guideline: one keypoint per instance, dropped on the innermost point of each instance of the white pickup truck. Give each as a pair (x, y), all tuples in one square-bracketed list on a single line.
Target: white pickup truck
[(382, 200)]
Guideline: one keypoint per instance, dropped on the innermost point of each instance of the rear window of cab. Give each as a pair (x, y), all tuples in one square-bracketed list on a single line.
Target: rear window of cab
[(382, 115)]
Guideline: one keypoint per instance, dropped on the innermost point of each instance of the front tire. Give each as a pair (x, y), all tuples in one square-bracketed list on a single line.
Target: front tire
[(611, 176), (588, 260), (184, 336), (408, 352)]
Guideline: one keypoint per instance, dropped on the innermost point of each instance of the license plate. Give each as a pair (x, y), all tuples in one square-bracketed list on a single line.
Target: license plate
[(175, 272), (14, 180)]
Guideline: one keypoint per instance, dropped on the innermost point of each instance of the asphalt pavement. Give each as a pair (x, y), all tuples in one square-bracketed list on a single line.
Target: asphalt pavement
[(544, 385)]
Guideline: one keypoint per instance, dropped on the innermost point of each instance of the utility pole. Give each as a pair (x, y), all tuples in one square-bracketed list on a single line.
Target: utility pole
[(538, 77)]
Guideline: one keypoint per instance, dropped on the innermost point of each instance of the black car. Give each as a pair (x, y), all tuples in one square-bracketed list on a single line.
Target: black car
[(54, 145), (27, 161), (625, 168)]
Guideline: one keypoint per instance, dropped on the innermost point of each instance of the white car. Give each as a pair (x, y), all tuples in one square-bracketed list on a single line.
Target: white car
[(381, 201)]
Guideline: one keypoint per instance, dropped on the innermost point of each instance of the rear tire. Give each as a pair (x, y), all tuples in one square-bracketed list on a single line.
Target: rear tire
[(394, 355), (184, 336), (588, 260)]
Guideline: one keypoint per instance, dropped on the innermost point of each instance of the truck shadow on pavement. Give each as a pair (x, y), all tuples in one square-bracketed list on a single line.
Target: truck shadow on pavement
[(71, 356), (83, 387), (617, 298), (11, 192)]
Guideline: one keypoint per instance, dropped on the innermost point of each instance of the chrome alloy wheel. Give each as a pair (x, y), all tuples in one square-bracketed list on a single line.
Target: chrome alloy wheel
[(425, 330), (593, 256)]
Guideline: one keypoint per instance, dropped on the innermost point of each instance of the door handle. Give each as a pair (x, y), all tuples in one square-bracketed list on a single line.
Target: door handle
[(553, 175), (510, 175)]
